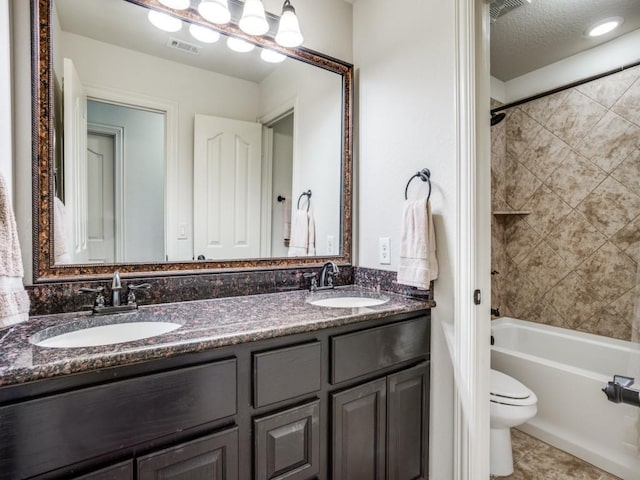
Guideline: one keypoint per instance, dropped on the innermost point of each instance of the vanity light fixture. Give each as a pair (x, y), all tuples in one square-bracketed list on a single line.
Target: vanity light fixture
[(604, 26), (176, 4), (289, 34), (216, 11), (203, 34), (253, 21), (271, 56), (239, 45), (164, 22)]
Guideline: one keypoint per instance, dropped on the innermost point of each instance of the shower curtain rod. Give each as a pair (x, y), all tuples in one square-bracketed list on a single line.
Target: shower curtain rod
[(564, 87)]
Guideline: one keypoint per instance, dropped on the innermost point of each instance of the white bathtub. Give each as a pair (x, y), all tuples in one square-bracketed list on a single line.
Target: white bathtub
[(567, 370)]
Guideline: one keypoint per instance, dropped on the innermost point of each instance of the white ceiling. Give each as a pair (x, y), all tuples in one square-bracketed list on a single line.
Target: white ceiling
[(546, 31), (126, 25)]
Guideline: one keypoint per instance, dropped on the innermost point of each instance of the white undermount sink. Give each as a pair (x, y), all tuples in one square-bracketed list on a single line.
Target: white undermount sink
[(93, 336), (339, 299)]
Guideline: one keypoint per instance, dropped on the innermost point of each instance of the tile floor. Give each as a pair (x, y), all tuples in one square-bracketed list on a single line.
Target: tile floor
[(535, 460)]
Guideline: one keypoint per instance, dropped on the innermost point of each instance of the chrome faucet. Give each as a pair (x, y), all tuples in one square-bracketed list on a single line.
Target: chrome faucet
[(99, 305), (116, 286), (328, 271)]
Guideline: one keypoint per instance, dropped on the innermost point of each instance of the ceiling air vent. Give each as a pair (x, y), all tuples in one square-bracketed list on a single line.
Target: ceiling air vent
[(499, 8), (184, 46)]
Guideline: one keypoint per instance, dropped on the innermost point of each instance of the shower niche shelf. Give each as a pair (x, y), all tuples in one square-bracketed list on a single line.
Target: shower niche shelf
[(501, 213)]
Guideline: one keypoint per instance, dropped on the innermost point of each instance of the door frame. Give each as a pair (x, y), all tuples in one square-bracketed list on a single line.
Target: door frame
[(120, 201), (170, 110), (470, 348)]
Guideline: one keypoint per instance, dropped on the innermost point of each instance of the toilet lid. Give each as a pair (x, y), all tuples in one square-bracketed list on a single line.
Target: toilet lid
[(508, 390)]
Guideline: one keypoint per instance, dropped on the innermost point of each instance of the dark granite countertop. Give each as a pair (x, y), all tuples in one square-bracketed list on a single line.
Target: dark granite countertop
[(207, 324)]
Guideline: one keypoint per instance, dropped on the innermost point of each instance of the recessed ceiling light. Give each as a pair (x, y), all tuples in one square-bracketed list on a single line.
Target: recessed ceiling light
[(604, 26), (164, 22)]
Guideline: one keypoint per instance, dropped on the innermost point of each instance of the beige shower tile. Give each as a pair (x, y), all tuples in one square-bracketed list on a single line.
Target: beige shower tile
[(608, 323), (627, 105), (520, 294), (520, 240), (609, 271), (610, 141), (548, 463), (520, 184), (627, 304), (542, 108), (498, 203), (574, 299), (575, 178), (546, 210), (545, 153), (575, 117), (522, 444), (544, 267), (610, 206), (543, 312), (607, 90), (628, 172), (574, 239), (521, 129), (628, 239)]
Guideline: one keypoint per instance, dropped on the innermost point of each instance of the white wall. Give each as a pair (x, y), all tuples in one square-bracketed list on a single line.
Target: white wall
[(404, 52), (317, 96), (6, 132), (608, 56)]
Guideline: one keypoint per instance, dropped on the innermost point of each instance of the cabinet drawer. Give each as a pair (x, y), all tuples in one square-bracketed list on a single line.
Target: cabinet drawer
[(106, 418), (211, 457), (366, 351), (121, 471), (286, 373), (287, 444)]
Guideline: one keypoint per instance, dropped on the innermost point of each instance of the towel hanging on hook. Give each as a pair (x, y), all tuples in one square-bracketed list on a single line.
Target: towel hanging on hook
[(425, 176), (305, 194)]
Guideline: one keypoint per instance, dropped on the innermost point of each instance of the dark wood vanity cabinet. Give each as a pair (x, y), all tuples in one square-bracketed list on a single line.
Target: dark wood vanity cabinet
[(343, 403)]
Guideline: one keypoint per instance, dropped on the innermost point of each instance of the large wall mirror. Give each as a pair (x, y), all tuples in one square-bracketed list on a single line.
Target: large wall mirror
[(169, 151)]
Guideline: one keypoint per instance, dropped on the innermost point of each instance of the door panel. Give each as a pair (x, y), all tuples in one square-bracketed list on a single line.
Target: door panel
[(359, 432), (227, 188)]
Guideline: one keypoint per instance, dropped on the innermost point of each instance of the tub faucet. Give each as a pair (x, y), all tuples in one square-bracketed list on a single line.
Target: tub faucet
[(619, 391), (495, 312)]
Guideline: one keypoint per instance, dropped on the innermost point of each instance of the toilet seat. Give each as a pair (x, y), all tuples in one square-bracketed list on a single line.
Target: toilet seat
[(507, 390)]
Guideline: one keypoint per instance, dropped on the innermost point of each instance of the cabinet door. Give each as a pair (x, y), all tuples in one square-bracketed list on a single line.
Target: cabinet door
[(120, 471), (359, 432), (214, 457), (408, 420)]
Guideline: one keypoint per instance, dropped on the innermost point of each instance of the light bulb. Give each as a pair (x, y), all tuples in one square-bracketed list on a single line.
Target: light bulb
[(176, 4), (164, 22), (216, 11), (272, 56), (239, 45), (204, 34), (253, 19), (289, 30)]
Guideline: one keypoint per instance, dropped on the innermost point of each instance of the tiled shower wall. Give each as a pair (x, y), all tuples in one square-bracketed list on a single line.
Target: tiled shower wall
[(571, 159)]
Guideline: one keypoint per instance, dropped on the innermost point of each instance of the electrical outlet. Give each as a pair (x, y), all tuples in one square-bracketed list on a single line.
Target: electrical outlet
[(330, 242), (384, 251)]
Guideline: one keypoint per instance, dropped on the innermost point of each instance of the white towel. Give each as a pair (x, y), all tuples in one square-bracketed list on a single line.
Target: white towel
[(299, 234), (286, 226), (303, 234), (60, 244), (14, 301), (418, 262)]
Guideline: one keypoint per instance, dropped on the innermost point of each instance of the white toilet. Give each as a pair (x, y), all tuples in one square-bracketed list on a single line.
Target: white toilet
[(512, 404)]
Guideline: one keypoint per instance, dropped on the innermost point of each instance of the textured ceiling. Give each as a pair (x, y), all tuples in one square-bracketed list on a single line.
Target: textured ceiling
[(546, 31)]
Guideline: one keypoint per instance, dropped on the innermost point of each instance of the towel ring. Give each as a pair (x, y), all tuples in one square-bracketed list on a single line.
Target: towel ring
[(425, 176), (305, 194)]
